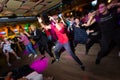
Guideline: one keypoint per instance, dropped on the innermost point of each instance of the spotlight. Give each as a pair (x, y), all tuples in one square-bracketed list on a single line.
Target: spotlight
[(109, 1), (94, 3)]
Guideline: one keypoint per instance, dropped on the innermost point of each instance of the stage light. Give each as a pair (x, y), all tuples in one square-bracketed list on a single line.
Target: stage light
[(71, 13), (94, 3), (109, 1)]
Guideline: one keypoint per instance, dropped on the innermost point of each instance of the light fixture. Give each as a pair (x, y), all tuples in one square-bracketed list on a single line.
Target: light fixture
[(94, 3), (109, 1)]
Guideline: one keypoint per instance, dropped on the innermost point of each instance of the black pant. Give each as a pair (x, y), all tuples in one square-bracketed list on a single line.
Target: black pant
[(107, 42), (44, 47), (91, 41)]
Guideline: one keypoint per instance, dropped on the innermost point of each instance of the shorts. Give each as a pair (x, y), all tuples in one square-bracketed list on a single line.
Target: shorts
[(7, 51)]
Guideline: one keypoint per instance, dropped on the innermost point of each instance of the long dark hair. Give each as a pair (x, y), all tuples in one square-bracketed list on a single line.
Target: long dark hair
[(45, 19)]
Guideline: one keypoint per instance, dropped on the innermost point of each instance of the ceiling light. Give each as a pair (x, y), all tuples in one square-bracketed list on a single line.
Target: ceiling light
[(94, 3), (109, 1)]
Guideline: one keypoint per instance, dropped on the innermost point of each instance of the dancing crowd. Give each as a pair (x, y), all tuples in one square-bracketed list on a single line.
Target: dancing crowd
[(58, 32)]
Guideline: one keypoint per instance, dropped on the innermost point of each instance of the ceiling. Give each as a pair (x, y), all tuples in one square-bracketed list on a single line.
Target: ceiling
[(25, 7), (33, 7)]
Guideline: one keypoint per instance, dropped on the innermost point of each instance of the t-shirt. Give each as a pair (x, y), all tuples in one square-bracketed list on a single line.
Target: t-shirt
[(25, 40), (7, 46), (108, 22), (61, 34)]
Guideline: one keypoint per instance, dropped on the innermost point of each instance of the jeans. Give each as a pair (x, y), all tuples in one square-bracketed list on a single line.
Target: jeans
[(68, 49), (30, 49)]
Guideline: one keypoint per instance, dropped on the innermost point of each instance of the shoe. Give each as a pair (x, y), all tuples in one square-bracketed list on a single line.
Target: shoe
[(53, 60), (119, 53), (42, 57), (97, 61), (35, 55), (29, 55), (82, 67), (18, 57), (57, 60), (9, 64), (53, 47)]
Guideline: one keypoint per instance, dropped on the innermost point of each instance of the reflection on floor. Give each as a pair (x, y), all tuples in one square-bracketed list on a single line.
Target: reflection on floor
[(68, 69)]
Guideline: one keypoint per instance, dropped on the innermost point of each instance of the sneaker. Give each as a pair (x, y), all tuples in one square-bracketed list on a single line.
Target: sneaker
[(29, 55), (35, 55), (18, 57), (53, 47), (9, 64), (119, 53), (57, 60)]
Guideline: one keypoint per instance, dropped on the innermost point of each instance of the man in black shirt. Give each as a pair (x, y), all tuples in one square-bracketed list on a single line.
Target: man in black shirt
[(107, 21)]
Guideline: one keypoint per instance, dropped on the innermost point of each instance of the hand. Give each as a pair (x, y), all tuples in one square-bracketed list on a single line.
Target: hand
[(111, 5), (39, 19), (51, 18), (18, 39), (84, 25), (91, 15)]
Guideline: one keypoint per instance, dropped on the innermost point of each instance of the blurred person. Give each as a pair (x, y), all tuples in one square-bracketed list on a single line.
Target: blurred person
[(93, 32), (63, 41), (107, 21), (42, 41), (7, 49), (80, 34), (28, 45)]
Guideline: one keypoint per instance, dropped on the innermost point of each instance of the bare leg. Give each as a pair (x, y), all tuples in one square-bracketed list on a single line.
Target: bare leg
[(7, 58), (15, 55)]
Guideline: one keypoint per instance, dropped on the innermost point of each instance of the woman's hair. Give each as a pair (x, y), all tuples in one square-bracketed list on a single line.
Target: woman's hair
[(45, 19)]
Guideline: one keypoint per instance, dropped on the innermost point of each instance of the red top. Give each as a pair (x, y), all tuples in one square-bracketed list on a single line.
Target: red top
[(62, 37), (47, 33)]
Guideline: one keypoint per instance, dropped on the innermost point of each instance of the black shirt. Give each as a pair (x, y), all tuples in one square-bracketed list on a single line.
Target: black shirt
[(39, 37), (108, 22)]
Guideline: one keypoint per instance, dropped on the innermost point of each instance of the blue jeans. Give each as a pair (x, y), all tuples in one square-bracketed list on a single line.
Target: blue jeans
[(68, 49), (30, 49)]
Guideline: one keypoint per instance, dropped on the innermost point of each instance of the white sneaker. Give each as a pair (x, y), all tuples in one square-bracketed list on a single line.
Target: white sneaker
[(57, 60), (9, 64), (119, 53), (18, 57), (53, 47), (35, 55), (30, 55)]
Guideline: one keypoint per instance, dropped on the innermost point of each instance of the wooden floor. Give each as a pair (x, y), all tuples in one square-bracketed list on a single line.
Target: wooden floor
[(68, 69)]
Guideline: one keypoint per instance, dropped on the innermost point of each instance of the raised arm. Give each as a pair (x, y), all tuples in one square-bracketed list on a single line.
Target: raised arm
[(42, 25), (27, 34), (56, 23), (62, 20), (91, 19), (113, 5)]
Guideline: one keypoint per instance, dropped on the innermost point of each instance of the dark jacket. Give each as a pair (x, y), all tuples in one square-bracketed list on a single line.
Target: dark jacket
[(39, 38)]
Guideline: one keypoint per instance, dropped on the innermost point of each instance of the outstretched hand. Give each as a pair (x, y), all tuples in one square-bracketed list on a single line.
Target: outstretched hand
[(51, 18), (39, 19)]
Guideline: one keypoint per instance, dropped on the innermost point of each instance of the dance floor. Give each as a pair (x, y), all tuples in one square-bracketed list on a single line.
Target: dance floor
[(68, 69)]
